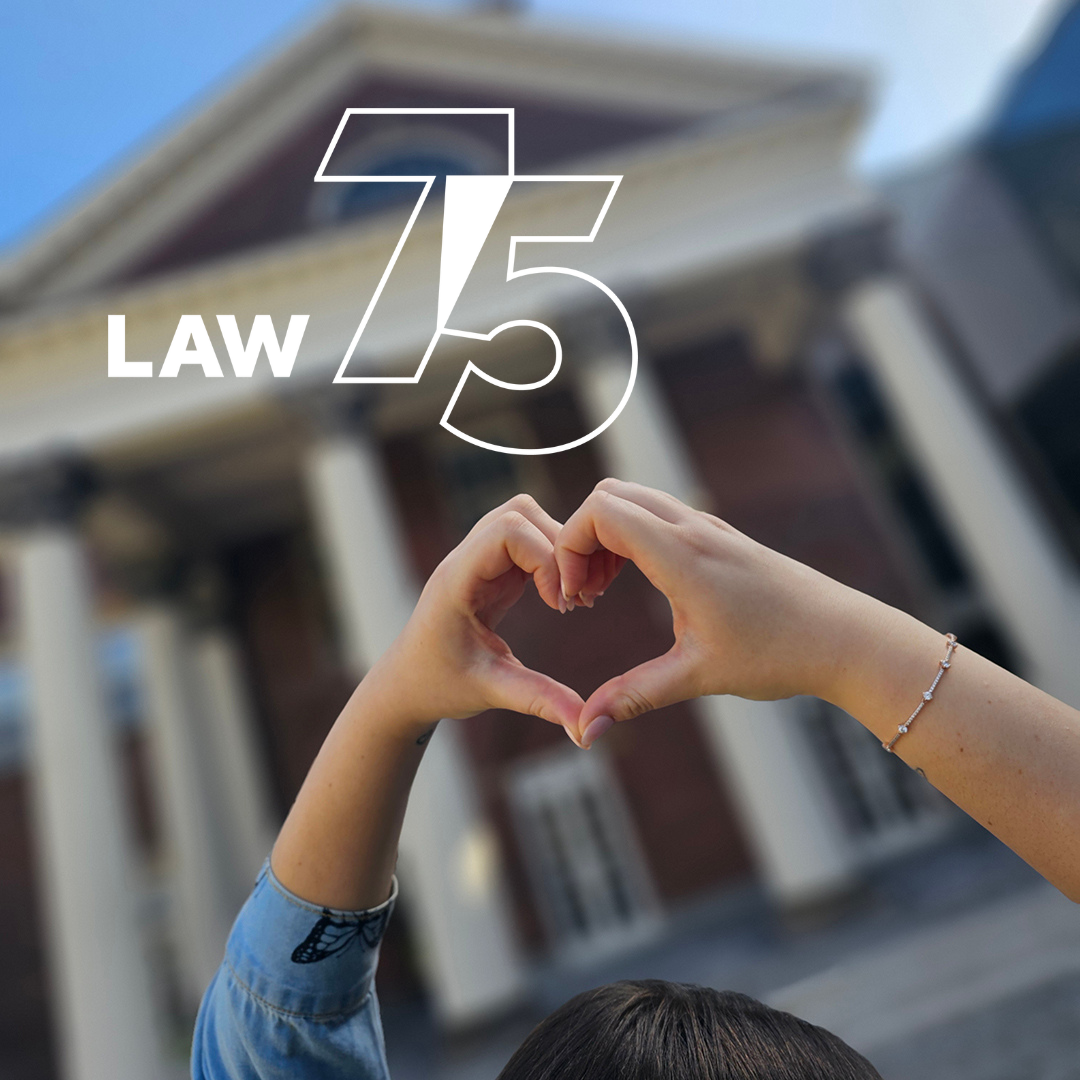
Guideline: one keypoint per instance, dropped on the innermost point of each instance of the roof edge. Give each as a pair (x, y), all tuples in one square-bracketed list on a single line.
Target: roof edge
[(136, 173)]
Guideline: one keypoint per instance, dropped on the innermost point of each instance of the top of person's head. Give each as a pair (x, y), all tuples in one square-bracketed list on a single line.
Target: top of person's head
[(654, 1030)]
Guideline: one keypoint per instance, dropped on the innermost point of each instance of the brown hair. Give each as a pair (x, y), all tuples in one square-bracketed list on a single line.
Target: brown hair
[(654, 1030)]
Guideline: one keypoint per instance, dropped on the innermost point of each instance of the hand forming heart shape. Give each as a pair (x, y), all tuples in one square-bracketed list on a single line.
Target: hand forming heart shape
[(745, 618)]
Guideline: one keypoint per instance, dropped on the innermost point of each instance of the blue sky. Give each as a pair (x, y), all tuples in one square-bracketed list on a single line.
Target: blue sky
[(84, 82)]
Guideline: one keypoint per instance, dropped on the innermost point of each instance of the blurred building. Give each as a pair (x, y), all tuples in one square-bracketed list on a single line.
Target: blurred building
[(197, 570), (991, 234)]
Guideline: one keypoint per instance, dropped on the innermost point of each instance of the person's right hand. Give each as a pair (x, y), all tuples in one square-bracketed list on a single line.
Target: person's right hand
[(747, 620)]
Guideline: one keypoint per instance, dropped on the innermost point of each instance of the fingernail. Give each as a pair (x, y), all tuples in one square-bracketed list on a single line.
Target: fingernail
[(569, 605), (562, 603), (596, 728), (572, 737)]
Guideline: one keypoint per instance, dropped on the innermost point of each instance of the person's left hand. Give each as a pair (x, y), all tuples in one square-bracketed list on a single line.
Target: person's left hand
[(449, 662)]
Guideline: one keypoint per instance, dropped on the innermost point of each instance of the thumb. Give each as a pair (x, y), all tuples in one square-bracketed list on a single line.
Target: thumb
[(511, 685), (658, 682)]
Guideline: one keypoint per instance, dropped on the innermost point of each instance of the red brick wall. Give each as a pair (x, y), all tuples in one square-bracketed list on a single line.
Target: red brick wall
[(773, 464), (295, 671)]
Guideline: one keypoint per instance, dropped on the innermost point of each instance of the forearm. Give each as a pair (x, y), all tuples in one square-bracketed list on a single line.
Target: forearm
[(1002, 750), (339, 843), (338, 846)]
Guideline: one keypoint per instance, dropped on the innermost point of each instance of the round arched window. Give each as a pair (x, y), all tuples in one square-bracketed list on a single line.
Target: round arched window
[(411, 152)]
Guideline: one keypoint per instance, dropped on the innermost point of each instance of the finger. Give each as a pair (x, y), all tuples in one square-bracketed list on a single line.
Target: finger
[(513, 540), (604, 565), (657, 502), (528, 507), (614, 564), (627, 529), (531, 509), (511, 685), (658, 682)]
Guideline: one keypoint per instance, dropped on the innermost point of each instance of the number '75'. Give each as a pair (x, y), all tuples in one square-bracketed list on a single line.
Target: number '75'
[(472, 205)]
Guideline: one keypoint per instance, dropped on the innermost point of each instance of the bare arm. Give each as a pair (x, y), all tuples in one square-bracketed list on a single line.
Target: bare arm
[(751, 622), (1001, 749), (338, 845)]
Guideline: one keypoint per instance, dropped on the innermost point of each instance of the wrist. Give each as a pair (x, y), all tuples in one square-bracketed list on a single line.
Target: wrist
[(881, 652), (384, 698), (851, 642)]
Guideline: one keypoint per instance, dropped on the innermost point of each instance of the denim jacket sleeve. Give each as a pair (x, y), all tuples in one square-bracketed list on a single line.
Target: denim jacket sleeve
[(295, 995)]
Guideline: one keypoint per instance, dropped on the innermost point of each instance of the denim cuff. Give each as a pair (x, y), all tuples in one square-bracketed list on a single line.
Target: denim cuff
[(302, 959)]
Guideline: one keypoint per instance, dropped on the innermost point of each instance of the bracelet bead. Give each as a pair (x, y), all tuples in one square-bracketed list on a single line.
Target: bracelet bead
[(944, 664)]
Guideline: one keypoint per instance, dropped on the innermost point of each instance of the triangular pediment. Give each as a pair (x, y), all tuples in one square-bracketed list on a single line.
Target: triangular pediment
[(239, 175)]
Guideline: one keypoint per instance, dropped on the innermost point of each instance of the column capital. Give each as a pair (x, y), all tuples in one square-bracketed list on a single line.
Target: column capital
[(47, 490), (851, 253)]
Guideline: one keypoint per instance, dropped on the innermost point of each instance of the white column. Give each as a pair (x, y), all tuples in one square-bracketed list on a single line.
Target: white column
[(449, 878), (198, 867), (1015, 553), (644, 441), (249, 822), (781, 796), (100, 978)]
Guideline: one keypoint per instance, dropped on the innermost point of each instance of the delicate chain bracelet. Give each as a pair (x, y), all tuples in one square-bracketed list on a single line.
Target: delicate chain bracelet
[(943, 666)]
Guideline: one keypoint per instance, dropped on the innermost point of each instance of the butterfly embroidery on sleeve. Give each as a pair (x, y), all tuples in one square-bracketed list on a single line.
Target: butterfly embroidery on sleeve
[(330, 936)]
